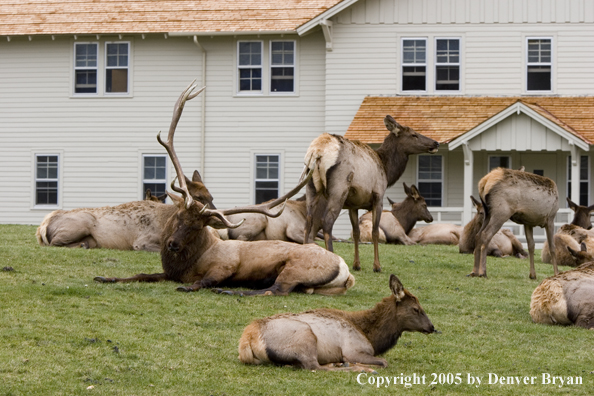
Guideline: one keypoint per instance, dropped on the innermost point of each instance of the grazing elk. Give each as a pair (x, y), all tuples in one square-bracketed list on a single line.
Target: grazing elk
[(566, 298), (581, 219), (134, 225), (436, 234), (395, 224), (353, 176), (523, 197), (318, 339), (192, 254), (503, 243)]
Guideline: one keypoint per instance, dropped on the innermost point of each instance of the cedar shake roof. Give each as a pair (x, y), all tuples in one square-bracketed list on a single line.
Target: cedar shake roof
[(21, 17), (444, 118)]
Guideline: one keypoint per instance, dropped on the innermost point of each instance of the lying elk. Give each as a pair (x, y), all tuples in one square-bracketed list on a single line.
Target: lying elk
[(319, 339), (134, 225), (566, 298), (523, 197), (569, 236), (436, 234), (192, 254), (353, 176), (581, 219), (395, 224), (148, 196), (503, 243)]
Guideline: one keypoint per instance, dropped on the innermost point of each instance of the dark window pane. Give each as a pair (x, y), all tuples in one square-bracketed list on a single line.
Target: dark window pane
[(85, 81), (46, 193), (431, 191), (539, 78), (498, 162), (157, 189), (282, 79), (116, 80), (447, 78), (413, 78)]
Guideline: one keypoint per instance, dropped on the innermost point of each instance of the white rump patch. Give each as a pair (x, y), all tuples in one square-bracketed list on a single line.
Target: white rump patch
[(321, 155)]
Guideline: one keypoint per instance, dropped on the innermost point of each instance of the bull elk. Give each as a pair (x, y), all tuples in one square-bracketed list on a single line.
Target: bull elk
[(565, 298), (524, 198), (319, 339), (503, 243), (351, 175), (437, 234), (192, 254), (133, 225), (395, 224)]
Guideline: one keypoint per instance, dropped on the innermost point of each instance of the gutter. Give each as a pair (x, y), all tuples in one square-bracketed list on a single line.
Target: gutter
[(230, 33)]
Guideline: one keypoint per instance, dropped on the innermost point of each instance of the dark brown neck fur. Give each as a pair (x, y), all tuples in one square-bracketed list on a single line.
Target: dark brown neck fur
[(468, 237), (393, 157), (405, 215)]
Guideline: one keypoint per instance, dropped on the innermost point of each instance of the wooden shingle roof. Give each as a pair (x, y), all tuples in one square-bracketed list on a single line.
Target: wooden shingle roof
[(444, 118), (44, 17)]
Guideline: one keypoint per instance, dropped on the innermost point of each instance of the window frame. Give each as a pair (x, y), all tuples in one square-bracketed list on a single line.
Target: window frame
[(76, 68), (403, 64), (441, 180), (529, 64), (106, 68), (271, 66), (144, 181), (509, 160), (240, 67), (587, 180), (437, 64), (255, 155), (58, 180)]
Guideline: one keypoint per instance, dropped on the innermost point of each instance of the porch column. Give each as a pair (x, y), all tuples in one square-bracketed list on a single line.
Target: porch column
[(574, 194), (468, 167)]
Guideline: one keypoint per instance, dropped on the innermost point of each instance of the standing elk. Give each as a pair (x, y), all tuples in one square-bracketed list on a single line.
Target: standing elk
[(437, 234), (318, 339), (566, 298), (576, 230), (192, 254), (503, 243), (351, 175), (395, 224), (523, 197), (134, 225)]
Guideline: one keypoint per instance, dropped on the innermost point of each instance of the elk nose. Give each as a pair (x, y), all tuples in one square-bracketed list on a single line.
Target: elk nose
[(173, 246)]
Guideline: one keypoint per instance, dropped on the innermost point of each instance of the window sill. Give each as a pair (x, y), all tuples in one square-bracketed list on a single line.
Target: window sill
[(46, 207)]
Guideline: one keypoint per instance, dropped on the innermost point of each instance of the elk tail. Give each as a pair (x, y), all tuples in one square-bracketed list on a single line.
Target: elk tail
[(252, 349), (322, 155), (41, 233)]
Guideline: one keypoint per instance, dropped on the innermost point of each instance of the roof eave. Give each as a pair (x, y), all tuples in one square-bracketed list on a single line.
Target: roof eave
[(313, 23), (231, 33)]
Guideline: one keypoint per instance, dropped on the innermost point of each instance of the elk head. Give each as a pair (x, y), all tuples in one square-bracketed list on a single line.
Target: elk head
[(480, 210), (410, 314), (581, 216), (414, 205), (582, 256), (411, 141)]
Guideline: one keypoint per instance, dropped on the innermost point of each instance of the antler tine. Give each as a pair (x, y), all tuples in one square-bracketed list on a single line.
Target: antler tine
[(177, 111), (218, 214)]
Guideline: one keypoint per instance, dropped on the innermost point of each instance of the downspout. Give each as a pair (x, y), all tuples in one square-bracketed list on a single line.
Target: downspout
[(203, 116)]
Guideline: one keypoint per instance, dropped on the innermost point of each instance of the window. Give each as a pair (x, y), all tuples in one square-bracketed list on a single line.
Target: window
[(430, 179), (584, 179), (499, 162), (85, 67), (282, 66), (267, 177), (116, 67), (250, 66), (447, 64), (154, 174), (539, 64), (46, 179), (414, 66)]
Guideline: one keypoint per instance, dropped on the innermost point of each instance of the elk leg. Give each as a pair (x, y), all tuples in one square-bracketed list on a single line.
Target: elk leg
[(486, 233), (354, 217), (212, 278), (364, 358), (356, 367), (136, 278), (550, 230), (376, 217), (528, 230)]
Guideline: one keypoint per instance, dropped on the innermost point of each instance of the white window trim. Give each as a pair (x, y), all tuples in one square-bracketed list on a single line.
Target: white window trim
[(281, 156), (436, 64), (568, 173), (528, 64), (442, 180), (491, 156), (403, 65), (263, 61), (105, 68), (101, 71), (34, 155), (143, 180), (294, 66)]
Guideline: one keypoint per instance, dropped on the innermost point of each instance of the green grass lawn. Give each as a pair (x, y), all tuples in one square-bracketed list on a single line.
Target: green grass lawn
[(63, 334)]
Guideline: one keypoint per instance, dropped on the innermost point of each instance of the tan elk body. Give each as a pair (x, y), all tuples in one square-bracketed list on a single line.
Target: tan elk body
[(351, 175), (395, 224), (436, 234), (504, 242), (566, 298), (522, 197), (318, 339), (190, 253)]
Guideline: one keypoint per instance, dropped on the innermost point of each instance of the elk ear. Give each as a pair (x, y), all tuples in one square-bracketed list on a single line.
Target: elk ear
[(583, 247), (415, 192), (522, 168), (392, 125), (572, 205), (396, 287), (176, 199), (391, 202), (148, 195), (475, 202), (196, 177), (572, 252), (407, 190)]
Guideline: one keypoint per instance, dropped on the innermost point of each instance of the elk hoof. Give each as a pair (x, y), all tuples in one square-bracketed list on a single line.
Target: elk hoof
[(379, 269), (472, 275), (355, 268), (102, 279), (183, 289)]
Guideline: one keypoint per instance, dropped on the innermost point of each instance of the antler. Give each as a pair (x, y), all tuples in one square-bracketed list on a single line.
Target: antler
[(177, 111)]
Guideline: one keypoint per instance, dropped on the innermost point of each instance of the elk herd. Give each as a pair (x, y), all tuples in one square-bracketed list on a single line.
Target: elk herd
[(267, 249)]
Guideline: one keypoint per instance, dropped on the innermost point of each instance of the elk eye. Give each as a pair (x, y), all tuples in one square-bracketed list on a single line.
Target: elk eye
[(416, 311), (416, 136)]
